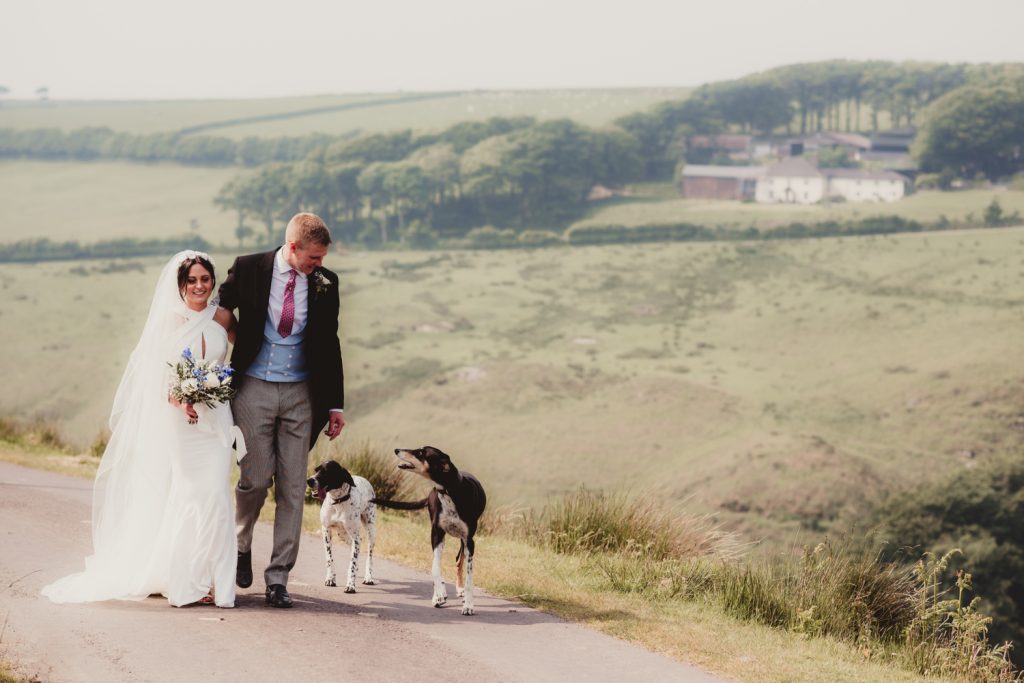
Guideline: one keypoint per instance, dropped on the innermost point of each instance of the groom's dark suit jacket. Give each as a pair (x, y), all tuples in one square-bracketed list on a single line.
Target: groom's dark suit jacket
[(247, 289)]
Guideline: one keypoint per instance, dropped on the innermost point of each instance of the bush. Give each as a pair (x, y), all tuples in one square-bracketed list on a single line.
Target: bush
[(490, 237), (419, 235), (539, 238)]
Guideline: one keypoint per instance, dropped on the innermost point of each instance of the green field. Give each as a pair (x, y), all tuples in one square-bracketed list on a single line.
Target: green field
[(104, 200), (778, 384), (595, 107), (660, 203)]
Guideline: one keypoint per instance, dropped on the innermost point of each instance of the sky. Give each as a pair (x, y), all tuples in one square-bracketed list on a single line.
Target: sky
[(141, 49)]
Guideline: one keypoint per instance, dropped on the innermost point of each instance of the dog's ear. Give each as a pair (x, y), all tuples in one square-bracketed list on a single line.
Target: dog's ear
[(319, 468), (446, 462), (346, 478)]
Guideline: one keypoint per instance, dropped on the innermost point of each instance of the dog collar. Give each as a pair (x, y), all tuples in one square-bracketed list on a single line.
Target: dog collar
[(343, 498)]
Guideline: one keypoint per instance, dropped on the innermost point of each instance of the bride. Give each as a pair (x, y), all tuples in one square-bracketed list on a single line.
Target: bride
[(163, 517)]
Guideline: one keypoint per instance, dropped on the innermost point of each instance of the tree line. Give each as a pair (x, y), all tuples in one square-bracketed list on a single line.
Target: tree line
[(805, 98), (521, 174), (44, 249), (104, 144), (514, 172)]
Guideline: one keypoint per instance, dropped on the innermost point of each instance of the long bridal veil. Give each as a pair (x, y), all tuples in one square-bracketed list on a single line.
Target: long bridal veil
[(134, 476)]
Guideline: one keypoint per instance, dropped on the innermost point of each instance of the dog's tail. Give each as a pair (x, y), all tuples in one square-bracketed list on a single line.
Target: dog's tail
[(401, 504)]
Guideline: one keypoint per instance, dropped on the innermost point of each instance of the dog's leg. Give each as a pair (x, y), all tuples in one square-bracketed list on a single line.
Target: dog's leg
[(467, 596), (330, 580), (352, 527), (440, 593), (370, 523), (460, 566)]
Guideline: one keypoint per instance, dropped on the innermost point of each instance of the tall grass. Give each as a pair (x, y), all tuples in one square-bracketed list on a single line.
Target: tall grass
[(34, 433), (948, 636), (597, 522), (378, 467), (890, 611)]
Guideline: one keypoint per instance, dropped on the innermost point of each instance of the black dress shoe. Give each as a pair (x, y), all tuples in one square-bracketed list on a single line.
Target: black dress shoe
[(277, 596), (243, 573)]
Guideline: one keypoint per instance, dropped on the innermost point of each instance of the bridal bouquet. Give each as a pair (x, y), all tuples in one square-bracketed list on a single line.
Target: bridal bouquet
[(201, 381)]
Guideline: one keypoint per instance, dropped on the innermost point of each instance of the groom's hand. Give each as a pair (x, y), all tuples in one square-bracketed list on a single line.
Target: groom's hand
[(335, 422)]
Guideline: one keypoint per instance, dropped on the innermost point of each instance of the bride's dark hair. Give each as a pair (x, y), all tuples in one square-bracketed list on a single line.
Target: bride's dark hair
[(186, 265)]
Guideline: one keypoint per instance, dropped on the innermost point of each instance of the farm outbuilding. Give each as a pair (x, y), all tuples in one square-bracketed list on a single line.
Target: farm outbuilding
[(720, 182), (798, 181)]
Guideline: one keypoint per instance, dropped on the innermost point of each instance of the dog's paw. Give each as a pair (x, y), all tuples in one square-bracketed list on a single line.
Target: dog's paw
[(460, 592), (350, 589), (440, 600), (330, 582), (467, 611), (369, 582)]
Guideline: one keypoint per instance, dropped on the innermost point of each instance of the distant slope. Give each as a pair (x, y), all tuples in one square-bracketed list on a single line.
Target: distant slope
[(315, 111), (334, 114)]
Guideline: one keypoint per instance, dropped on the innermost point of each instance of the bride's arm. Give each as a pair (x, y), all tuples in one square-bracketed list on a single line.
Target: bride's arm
[(227, 320)]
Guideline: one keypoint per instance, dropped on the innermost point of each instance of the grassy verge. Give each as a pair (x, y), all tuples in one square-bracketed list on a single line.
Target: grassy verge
[(10, 674), (674, 584)]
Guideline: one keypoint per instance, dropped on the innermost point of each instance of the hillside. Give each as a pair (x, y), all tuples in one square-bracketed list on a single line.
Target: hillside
[(701, 371), (292, 116)]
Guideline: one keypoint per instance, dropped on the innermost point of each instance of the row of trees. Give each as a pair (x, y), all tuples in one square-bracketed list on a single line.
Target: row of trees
[(804, 98), (509, 172), (30, 251), (91, 144)]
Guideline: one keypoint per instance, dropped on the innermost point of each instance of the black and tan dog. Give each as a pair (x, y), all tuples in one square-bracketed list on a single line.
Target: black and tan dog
[(455, 505), (346, 500)]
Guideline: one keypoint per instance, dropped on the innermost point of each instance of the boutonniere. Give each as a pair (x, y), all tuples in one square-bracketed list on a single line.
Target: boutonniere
[(320, 282)]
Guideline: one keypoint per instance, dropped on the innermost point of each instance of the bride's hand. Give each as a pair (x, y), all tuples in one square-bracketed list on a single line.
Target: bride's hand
[(187, 408)]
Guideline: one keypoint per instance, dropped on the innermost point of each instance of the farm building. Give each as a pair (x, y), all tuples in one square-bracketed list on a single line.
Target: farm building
[(792, 181), (797, 181), (720, 182)]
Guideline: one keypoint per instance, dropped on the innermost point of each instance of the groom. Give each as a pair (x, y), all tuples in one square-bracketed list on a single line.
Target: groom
[(289, 379)]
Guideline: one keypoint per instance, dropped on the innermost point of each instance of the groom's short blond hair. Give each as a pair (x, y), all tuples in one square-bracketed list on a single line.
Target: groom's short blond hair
[(307, 228)]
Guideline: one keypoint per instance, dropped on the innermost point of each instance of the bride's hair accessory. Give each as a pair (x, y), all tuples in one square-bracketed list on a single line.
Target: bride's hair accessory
[(190, 255)]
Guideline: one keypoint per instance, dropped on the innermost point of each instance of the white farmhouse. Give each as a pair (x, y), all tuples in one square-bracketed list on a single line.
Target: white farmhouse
[(797, 181)]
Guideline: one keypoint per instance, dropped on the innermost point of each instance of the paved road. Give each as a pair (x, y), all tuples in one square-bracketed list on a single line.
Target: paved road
[(386, 632)]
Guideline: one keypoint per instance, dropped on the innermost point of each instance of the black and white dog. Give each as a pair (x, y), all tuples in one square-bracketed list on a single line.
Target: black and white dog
[(455, 504), (346, 501)]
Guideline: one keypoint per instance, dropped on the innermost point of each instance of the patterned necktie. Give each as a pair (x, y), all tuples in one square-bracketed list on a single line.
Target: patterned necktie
[(284, 328)]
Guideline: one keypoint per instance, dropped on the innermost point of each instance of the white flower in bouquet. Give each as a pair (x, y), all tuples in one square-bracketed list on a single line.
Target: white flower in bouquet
[(190, 385), (212, 380)]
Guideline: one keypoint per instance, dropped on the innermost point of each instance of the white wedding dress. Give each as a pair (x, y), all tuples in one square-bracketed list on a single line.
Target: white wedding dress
[(198, 531), (163, 510)]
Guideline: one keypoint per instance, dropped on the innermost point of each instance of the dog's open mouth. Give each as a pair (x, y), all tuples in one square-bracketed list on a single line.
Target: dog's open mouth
[(404, 466), (320, 493)]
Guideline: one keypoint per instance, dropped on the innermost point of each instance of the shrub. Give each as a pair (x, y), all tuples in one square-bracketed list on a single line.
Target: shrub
[(539, 238), (420, 235), (490, 237)]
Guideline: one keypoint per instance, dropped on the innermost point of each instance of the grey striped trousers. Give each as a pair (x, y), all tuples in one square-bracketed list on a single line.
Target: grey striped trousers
[(276, 419)]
